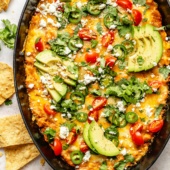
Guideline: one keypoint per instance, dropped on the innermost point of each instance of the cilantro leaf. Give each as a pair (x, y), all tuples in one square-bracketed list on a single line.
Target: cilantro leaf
[(8, 33), (8, 102), (158, 110), (139, 2), (99, 28), (164, 71), (94, 43), (103, 166), (50, 134), (58, 79)]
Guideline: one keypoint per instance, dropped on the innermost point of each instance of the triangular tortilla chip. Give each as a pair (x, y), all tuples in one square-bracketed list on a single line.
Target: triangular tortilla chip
[(19, 156), (13, 131)]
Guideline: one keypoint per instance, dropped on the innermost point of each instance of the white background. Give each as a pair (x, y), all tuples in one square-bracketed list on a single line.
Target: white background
[(6, 55)]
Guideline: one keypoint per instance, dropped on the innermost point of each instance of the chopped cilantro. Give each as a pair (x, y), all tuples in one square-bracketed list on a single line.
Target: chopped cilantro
[(103, 166), (65, 146), (8, 34), (130, 90), (140, 60), (139, 2), (76, 30), (158, 110), (58, 79), (164, 71), (99, 28), (50, 134), (94, 43), (8, 102)]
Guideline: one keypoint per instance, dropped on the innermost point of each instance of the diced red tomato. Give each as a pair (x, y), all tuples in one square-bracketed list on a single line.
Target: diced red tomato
[(71, 137), (155, 84), (108, 38), (110, 61), (156, 125), (137, 16), (126, 4), (83, 147), (57, 147), (48, 110), (99, 103), (135, 131), (91, 57), (93, 115), (39, 45), (87, 34)]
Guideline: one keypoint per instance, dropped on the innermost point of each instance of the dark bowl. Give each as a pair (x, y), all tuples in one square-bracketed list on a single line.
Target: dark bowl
[(22, 96)]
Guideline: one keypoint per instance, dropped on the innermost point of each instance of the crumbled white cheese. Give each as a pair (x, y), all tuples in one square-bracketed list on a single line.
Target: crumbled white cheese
[(134, 42), (117, 54), (45, 92), (138, 104), (79, 5), (84, 22), (149, 110), (43, 23), (67, 51), (88, 79), (152, 75), (167, 38), (127, 36), (69, 115), (91, 118), (109, 48), (154, 63), (28, 53), (121, 106), (31, 86), (123, 151), (78, 45), (86, 156), (82, 88), (129, 11), (112, 27), (102, 6), (64, 132), (100, 70), (110, 2)]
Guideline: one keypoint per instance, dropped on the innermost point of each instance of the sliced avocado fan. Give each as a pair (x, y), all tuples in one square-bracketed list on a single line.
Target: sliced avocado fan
[(149, 49)]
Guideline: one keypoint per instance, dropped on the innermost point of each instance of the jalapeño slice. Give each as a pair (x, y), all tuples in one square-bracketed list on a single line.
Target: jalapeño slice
[(131, 117), (77, 98), (109, 20), (75, 16), (76, 157), (75, 43), (81, 116), (93, 8)]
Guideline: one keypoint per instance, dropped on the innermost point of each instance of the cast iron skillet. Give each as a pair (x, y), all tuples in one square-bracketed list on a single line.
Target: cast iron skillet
[(19, 73)]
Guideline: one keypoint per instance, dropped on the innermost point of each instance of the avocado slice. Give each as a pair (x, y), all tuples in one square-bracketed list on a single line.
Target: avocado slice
[(47, 56), (54, 94), (86, 136), (100, 142), (61, 88), (149, 49)]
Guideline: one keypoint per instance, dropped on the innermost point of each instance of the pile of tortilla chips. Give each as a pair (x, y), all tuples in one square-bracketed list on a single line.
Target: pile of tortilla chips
[(4, 5), (14, 138), (18, 146)]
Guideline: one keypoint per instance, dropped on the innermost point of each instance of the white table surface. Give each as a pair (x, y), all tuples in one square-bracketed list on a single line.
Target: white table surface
[(6, 55)]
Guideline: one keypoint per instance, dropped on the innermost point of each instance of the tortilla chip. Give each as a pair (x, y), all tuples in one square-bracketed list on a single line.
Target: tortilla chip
[(4, 5), (6, 83), (19, 156), (13, 131)]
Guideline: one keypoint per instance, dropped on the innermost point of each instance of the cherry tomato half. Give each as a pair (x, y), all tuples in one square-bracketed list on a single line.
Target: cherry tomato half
[(57, 147), (155, 126), (87, 34), (48, 110), (126, 4), (135, 131), (93, 115), (39, 45), (99, 103), (138, 138), (155, 84), (108, 38), (83, 147), (110, 61), (137, 17), (91, 57)]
